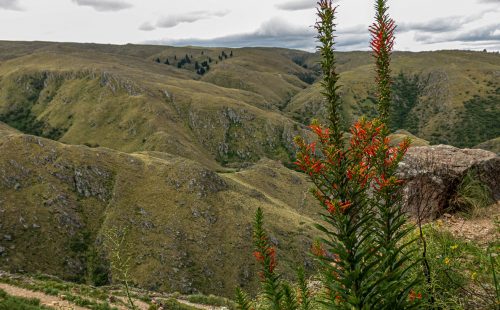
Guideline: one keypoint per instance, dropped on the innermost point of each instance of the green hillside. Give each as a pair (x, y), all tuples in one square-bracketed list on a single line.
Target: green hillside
[(129, 103), (188, 227), (243, 107)]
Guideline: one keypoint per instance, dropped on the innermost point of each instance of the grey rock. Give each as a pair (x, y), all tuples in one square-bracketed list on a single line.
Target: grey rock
[(93, 181), (433, 173)]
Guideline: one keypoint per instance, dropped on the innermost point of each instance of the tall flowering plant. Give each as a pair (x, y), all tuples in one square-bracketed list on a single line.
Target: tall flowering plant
[(364, 258), (365, 261), (277, 293)]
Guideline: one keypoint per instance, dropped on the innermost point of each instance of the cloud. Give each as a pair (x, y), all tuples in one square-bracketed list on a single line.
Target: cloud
[(171, 21), (104, 5), (438, 25), (296, 5), (147, 27), (10, 5), (482, 34), (489, 1), (191, 17), (277, 32)]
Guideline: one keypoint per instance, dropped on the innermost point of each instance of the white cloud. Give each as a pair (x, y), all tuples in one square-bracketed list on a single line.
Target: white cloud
[(173, 20), (104, 5), (296, 5)]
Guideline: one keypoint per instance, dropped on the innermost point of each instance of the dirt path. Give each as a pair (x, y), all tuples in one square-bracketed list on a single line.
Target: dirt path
[(45, 300), (139, 304), (198, 306), (480, 230)]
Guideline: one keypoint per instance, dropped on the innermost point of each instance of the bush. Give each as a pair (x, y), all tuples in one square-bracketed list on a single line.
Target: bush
[(8, 302)]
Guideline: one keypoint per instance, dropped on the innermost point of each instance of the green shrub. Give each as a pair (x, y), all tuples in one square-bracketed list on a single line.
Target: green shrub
[(8, 302), (462, 272)]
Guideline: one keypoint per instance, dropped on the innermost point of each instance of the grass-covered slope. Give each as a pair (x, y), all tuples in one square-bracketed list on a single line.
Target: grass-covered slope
[(81, 94), (189, 228), (490, 145), (449, 97)]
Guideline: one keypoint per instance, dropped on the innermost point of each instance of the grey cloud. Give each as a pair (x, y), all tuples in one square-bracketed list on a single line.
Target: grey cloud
[(489, 1), (147, 27), (191, 17), (278, 33), (10, 5), (296, 5), (104, 5), (487, 33), (438, 25), (357, 29)]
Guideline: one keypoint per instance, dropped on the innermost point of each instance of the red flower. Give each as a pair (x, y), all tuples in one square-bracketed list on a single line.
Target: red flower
[(258, 256), (345, 205), (331, 206), (382, 36), (311, 147), (323, 135), (317, 166), (413, 295), (270, 253), (318, 250)]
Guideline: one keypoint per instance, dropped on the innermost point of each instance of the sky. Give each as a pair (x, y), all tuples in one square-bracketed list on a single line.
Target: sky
[(422, 24)]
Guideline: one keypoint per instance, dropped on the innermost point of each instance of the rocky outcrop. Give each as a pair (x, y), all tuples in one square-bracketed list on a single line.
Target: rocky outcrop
[(433, 173)]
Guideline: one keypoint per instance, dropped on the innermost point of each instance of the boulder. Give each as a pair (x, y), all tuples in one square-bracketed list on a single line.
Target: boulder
[(433, 174)]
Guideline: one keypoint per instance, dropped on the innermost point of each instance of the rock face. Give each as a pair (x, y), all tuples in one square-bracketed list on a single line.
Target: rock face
[(433, 174)]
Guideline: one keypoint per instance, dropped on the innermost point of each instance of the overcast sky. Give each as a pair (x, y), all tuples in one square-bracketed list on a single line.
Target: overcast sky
[(423, 24)]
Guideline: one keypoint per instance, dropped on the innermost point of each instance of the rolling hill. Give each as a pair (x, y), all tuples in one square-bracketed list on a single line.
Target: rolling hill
[(242, 108), (139, 138)]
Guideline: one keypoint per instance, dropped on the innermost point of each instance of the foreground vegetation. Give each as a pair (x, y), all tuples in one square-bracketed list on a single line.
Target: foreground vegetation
[(368, 256), (15, 303)]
